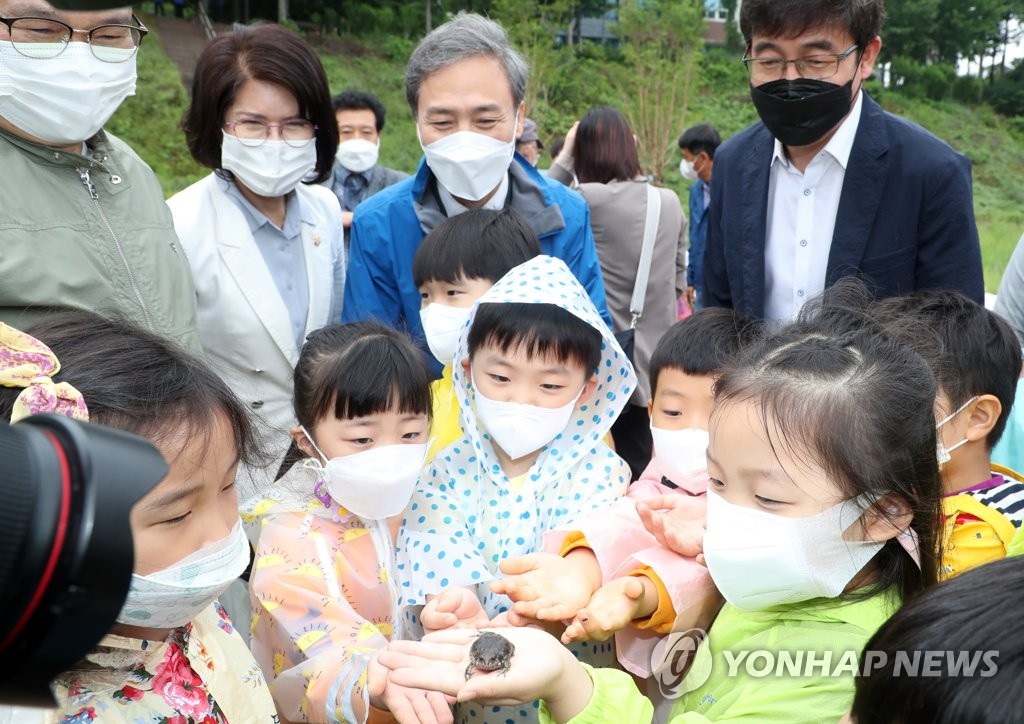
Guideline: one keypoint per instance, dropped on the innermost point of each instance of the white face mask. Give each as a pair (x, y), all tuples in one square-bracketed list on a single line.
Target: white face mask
[(942, 453), (470, 165), (271, 169), (357, 154), (758, 559), (377, 483), (687, 170), (442, 326), (176, 595), (522, 429), (683, 453), (67, 99)]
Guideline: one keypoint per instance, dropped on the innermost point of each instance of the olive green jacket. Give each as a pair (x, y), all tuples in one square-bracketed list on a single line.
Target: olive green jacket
[(92, 234)]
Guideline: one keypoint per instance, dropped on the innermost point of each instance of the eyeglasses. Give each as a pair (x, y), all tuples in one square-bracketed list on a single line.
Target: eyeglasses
[(296, 132), (44, 38), (817, 67)]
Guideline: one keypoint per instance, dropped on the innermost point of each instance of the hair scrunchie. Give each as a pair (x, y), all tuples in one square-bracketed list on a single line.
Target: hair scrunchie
[(27, 362)]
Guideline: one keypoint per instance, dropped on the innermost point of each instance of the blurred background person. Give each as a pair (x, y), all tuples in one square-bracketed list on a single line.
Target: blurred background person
[(601, 150), (698, 144)]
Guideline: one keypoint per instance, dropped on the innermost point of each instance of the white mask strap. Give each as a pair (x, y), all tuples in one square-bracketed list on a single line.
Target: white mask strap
[(954, 414), (311, 442)]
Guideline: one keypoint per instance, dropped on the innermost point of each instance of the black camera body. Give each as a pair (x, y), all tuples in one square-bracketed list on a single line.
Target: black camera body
[(66, 553)]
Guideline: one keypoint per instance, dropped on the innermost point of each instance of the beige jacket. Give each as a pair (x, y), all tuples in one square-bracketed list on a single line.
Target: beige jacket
[(618, 211)]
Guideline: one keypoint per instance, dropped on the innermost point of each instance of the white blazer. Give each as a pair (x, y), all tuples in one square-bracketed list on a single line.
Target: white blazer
[(243, 323)]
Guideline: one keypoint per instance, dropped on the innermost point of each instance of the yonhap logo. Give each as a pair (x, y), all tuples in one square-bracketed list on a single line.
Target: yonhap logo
[(676, 667)]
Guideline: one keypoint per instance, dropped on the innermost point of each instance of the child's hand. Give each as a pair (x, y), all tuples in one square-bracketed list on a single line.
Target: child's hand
[(540, 668), (672, 520), (547, 587), (454, 608), (407, 705), (611, 609)]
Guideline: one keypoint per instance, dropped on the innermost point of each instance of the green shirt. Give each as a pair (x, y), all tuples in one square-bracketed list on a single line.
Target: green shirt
[(760, 667)]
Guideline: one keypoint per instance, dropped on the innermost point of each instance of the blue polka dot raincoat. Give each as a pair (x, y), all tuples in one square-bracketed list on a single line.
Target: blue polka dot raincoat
[(464, 517)]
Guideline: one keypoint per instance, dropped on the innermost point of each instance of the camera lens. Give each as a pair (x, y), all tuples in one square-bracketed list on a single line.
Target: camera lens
[(66, 554)]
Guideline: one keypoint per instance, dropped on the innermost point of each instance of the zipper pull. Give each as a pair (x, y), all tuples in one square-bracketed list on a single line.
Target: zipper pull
[(83, 173)]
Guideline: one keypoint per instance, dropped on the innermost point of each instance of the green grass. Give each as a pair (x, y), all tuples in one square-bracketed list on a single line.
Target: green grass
[(150, 123)]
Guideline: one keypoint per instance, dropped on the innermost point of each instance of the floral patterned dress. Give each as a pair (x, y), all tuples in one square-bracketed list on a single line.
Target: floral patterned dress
[(202, 674)]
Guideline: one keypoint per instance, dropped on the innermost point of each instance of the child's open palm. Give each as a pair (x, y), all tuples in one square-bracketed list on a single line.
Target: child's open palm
[(612, 607), (548, 587), (677, 522)]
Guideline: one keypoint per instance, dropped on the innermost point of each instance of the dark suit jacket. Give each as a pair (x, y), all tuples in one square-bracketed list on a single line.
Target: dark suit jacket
[(905, 219)]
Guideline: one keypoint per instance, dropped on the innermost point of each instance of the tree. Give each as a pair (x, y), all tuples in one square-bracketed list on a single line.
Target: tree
[(532, 26), (661, 43)]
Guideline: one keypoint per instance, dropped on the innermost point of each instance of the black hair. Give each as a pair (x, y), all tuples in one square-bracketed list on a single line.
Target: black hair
[(971, 618), (702, 137), (541, 330), (139, 382), (268, 53), (476, 244), (860, 406), (704, 342), (971, 350), (862, 19), (556, 147), (359, 369), (354, 100)]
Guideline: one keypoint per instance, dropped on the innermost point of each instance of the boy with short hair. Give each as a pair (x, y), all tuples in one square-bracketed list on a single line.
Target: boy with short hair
[(630, 570), (976, 359), (454, 266), (541, 379)]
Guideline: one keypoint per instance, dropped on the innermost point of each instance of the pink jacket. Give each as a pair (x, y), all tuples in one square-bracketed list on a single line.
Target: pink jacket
[(622, 545)]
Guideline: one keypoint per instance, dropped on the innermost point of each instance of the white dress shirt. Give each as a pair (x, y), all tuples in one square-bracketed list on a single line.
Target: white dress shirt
[(802, 210)]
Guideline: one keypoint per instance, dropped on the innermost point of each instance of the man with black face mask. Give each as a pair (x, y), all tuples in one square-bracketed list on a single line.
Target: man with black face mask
[(828, 184)]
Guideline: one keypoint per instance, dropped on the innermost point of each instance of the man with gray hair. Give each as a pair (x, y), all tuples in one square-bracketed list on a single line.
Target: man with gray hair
[(465, 85)]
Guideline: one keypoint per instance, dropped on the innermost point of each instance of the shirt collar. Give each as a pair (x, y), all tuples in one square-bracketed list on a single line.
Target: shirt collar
[(841, 143), (295, 212), (453, 207), (341, 173)]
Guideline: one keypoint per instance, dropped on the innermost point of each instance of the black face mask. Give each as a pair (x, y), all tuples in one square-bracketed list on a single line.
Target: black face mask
[(799, 112)]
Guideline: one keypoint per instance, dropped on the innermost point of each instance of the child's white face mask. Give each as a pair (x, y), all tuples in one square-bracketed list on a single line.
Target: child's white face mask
[(520, 429), (176, 595), (374, 484), (442, 326), (758, 559), (683, 453)]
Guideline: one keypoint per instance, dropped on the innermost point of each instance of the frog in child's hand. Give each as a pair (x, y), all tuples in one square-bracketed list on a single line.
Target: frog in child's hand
[(490, 652)]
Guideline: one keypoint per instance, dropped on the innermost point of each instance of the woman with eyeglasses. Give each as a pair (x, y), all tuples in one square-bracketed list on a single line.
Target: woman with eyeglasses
[(264, 239)]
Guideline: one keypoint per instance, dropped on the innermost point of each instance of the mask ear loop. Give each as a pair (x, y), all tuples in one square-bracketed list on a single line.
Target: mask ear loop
[(320, 491), (907, 538), (911, 544)]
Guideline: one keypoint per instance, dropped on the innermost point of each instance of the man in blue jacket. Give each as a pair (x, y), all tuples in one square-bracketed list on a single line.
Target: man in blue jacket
[(829, 185), (465, 86), (698, 144)]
